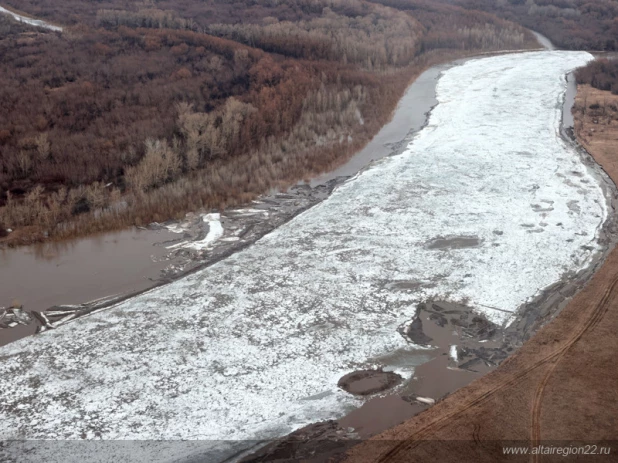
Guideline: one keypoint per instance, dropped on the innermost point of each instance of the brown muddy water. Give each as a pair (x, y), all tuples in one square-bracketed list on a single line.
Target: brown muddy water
[(455, 344), (409, 117), (459, 346), (79, 271), (543, 41), (52, 284), (123, 263)]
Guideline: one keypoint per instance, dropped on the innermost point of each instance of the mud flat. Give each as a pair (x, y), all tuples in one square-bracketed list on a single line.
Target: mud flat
[(253, 347)]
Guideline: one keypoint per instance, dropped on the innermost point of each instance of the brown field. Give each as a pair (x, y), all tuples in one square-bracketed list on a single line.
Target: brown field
[(597, 124), (559, 388)]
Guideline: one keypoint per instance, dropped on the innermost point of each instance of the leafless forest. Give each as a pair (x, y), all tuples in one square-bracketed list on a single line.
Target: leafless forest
[(142, 111), (601, 74), (570, 24)]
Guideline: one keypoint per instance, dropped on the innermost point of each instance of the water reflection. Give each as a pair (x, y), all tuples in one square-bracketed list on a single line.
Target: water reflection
[(77, 271)]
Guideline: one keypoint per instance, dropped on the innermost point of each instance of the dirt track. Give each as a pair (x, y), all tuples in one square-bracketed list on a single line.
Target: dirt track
[(560, 389)]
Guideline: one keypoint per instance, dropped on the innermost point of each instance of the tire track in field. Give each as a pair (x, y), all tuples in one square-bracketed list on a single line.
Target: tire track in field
[(598, 313)]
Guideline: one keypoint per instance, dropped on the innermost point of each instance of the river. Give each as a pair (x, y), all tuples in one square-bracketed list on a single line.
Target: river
[(487, 205)]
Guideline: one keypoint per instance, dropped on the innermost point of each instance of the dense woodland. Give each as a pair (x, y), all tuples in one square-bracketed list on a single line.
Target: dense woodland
[(142, 111), (451, 26), (601, 74), (570, 24)]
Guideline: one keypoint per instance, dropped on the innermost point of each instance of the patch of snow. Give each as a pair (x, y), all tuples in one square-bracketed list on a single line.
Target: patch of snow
[(32, 22), (215, 231), (453, 352), (249, 211), (230, 352), (177, 245), (177, 227)]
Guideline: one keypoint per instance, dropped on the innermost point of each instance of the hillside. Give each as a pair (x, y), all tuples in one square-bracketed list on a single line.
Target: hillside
[(569, 24), (135, 114)]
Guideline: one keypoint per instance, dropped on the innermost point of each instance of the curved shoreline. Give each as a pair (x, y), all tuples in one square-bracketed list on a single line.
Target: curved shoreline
[(532, 316), (65, 290), (546, 299), (559, 378)]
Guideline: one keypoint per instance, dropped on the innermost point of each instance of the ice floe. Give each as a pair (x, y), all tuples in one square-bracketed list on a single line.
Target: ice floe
[(453, 353)]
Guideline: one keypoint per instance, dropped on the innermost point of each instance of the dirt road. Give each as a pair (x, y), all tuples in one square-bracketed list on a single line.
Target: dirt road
[(559, 390)]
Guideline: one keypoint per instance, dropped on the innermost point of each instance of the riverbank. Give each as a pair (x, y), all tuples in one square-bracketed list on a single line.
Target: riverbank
[(55, 283), (281, 100), (557, 389), (596, 124)]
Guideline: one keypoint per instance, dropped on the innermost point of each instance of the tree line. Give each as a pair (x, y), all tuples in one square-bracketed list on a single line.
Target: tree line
[(569, 24), (601, 74)]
